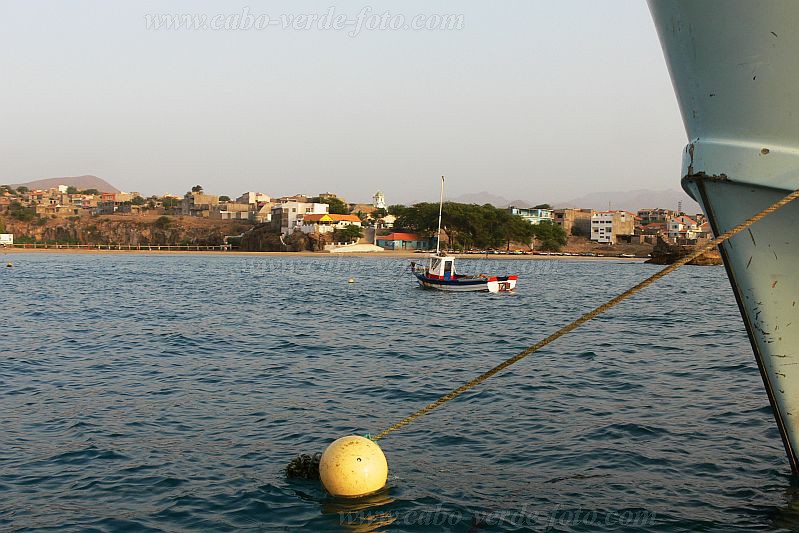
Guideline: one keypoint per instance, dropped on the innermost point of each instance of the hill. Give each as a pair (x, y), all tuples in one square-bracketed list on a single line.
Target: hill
[(624, 200), (80, 182), (634, 200)]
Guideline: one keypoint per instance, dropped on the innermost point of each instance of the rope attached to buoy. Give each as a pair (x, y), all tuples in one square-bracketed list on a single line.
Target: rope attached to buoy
[(307, 467), (588, 316)]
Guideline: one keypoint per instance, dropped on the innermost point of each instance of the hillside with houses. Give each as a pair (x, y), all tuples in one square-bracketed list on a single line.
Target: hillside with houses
[(65, 214)]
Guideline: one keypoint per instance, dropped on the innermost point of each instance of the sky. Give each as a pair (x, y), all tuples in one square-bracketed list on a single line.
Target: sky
[(530, 99)]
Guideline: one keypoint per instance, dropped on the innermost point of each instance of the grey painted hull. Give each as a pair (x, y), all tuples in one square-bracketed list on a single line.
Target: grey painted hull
[(736, 75)]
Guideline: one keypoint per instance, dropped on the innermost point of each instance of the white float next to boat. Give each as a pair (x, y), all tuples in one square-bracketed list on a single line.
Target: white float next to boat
[(440, 274)]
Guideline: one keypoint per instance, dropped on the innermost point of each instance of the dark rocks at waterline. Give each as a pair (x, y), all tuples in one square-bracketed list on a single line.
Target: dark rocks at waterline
[(665, 254), (264, 238)]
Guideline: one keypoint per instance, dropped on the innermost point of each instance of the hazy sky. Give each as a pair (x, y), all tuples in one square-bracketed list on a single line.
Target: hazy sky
[(531, 99)]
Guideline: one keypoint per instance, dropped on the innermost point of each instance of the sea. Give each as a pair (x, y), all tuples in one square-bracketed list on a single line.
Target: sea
[(168, 393)]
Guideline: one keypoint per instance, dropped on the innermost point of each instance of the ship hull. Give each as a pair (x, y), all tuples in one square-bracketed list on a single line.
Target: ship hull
[(734, 69)]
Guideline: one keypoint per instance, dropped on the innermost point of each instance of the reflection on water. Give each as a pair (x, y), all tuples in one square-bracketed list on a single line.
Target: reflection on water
[(169, 392)]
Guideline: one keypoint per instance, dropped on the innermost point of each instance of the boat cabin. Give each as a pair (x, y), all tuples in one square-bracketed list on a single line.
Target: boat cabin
[(441, 267)]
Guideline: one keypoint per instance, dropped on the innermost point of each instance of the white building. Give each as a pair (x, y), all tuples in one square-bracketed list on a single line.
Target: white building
[(253, 198), (289, 215), (379, 201), (328, 223), (606, 225), (533, 215), (683, 227), (6, 239)]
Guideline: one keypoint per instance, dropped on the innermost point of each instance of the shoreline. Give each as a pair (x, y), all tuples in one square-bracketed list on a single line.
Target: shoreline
[(388, 254)]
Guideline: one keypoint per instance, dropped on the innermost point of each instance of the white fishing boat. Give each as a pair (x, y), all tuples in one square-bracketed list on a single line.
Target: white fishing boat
[(440, 274), (735, 68)]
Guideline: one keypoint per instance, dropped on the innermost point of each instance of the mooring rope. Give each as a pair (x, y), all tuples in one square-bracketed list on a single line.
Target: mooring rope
[(587, 316)]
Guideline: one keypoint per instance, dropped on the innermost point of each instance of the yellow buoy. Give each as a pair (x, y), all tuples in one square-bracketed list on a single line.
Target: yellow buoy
[(353, 466), (351, 280), (9, 265)]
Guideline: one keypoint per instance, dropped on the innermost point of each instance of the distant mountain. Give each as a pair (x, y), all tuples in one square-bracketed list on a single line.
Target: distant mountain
[(624, 200), (484, 197), (480, 198), (634, 200), (80, 182)]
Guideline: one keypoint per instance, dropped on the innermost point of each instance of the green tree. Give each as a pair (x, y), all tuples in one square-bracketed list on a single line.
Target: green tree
[(349, 233), (24, 214), (550, 236), (90, 191), (169, 202), (22, 189), (72, 190), (162, 222), (138, 200), (543, 206), (380, 212), (197, 188), (224, 198), (396, 209)]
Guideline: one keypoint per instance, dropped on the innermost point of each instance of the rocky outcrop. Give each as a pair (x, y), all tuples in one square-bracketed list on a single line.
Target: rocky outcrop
[(125, 230), (665, 254), (264, 238)]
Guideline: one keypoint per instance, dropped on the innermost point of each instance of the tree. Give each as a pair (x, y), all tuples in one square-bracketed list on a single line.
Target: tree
[(162, 222), (224, 198), (90, 191), (396, 209), (22, 189), (543, 206), (72, 190), (169, 202), (550, 236), (197, 188), (335, 205), (23, 214), (349, 233), (380, 212)]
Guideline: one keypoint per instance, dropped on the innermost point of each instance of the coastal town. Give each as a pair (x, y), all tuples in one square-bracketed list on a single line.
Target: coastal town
[(327, 222)]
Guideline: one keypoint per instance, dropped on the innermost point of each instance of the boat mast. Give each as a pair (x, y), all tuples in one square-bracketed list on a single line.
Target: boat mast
[(440, 206)]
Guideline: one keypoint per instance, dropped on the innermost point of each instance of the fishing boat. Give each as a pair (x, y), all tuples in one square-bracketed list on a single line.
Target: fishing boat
[(440, 274), (735, 71)]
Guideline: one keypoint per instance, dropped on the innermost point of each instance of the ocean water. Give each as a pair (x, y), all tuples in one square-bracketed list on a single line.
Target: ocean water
[(167, 393)]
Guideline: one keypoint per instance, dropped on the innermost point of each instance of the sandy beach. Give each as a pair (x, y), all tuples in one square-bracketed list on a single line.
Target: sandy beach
[(388, 254)]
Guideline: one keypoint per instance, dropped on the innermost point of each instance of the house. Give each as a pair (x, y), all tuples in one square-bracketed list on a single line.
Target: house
[(533, 215), (296, 198), (261, 212), (366, 209), (253, 198), (574, 221), (403, 241), (656, 215), (386, 221), (606, 226), (683, 227), (229, 211), (289, 215), (327, 222), (197, 204)]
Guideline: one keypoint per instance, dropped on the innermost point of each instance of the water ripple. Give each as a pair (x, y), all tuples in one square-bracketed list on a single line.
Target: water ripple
[(166, 393)]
